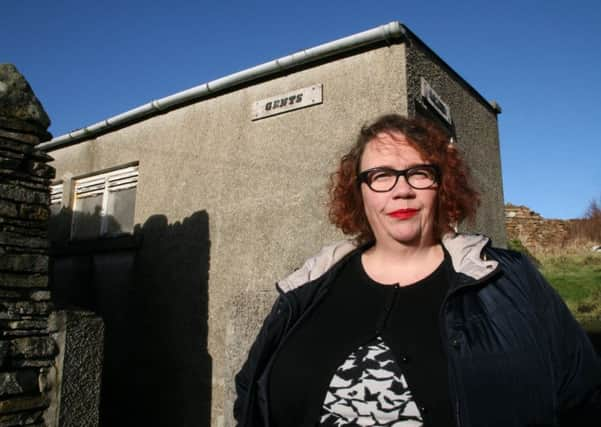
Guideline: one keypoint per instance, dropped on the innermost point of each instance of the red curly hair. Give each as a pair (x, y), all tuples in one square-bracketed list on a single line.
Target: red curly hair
[(457, 199)]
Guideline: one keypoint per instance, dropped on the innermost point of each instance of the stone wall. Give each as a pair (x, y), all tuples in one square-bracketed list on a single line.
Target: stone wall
[(35, 368), (27, 349), (534, 231)]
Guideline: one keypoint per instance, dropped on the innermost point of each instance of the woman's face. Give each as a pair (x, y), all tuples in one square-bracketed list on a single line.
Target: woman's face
[(403, 215)]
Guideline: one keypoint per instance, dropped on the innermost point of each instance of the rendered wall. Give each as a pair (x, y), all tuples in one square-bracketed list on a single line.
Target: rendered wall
[(226, 206)]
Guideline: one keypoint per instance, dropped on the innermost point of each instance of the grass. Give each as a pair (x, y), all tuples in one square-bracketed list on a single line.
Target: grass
[(575, 272), (576, 275)]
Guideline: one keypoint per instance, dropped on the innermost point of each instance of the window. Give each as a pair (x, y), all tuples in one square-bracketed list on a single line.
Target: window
[(103, 204), (56, 198)]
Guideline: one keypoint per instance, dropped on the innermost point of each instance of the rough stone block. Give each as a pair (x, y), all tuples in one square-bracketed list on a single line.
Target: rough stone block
[(9, 154), (41, 156), (34, 347), (14, 239), (19, 250), (18, 101), (9, 144), (15, 310), (11, 161), (21, 419), (19, 382), (32, 363), (8, 334), (27, 324), (18, 404), (34, 212), (22, 126), (24, 177), (8, 294), (7, 173), (24, 263), (9, 280), (30, 185), (4, 352), (26, 228), (20, 193), (42, 170), (8, 208), (40, 296), (20, 137), (10, 164)]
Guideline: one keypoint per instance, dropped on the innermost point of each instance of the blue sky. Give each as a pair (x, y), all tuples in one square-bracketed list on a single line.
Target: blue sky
[(540, 60)]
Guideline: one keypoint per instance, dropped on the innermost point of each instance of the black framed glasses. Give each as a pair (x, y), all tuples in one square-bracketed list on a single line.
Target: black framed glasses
[(384, 179)]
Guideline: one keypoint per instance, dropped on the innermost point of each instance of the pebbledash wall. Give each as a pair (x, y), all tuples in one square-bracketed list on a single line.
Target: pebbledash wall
[(225, 205)]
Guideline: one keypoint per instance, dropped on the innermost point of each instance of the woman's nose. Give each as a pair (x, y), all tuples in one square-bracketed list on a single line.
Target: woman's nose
[(402, 188)]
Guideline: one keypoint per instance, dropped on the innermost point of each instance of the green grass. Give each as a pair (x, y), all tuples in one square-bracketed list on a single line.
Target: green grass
[(577, 278), (516, 245)]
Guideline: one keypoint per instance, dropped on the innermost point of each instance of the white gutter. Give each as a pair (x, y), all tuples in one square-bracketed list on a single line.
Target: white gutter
[(384, 33)]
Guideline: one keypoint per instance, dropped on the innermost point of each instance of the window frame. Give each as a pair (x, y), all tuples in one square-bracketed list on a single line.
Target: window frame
[(102, 183)]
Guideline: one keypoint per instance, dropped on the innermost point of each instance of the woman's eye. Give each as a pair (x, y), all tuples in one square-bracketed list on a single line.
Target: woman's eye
[(381, 175), (421, 174)]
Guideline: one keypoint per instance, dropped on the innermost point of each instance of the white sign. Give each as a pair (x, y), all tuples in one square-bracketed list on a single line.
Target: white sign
[(289, 101), (435, 101)]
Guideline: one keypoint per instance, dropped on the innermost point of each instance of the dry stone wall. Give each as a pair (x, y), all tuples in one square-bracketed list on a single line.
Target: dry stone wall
[(534, 231), (27, 349)]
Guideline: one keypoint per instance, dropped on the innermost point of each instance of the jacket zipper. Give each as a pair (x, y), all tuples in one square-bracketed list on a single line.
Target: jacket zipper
[(452, 374), (445, 337)]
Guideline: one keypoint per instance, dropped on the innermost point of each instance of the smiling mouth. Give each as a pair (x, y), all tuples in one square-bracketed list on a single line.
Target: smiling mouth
[(403, 213)]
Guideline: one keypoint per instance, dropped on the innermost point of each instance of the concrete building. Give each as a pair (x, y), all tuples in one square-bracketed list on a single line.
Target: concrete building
[(173, 220)]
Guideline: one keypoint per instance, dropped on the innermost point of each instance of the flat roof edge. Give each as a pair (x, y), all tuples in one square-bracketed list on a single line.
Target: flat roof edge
[(390, 33)]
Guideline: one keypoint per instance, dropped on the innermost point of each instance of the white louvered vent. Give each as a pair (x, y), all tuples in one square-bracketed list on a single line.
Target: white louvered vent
[(112, 181), (56, 194), (104, 203)]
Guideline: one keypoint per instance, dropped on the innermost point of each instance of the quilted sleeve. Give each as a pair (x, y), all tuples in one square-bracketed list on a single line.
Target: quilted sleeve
[(578, 366)]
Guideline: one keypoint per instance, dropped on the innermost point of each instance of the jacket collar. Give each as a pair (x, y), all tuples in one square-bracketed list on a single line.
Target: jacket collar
[(468, 255), (466, 251)]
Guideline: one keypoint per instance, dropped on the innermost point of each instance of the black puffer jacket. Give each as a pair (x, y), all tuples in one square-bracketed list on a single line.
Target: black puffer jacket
[(516, 355)]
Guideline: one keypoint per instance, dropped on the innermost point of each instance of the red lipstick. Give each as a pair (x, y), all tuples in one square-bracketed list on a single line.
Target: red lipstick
[(403, 213)]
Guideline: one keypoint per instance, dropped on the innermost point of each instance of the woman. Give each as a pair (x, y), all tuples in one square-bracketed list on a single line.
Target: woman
[(410, 323)]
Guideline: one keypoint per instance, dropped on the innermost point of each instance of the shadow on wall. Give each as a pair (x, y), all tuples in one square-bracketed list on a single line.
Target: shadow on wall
[(151, 290)]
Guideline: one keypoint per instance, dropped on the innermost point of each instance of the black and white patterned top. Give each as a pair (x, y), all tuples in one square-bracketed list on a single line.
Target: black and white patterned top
[(369, 389), (367, 354)]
